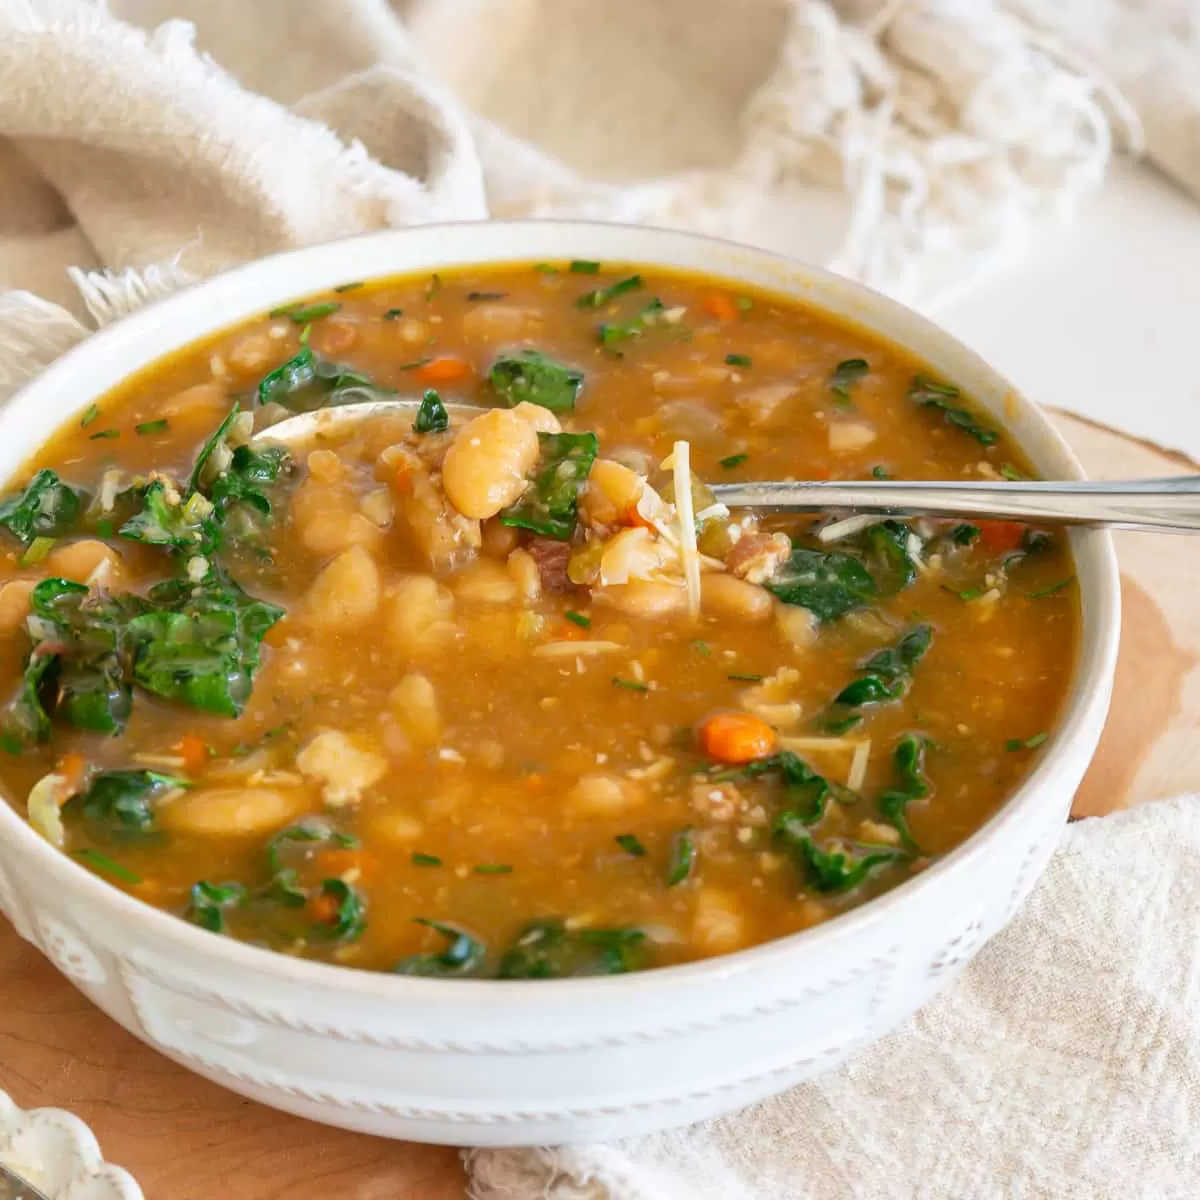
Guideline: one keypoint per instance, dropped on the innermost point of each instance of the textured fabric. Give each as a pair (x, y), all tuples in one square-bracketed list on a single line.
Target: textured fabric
[(1063, 1064)]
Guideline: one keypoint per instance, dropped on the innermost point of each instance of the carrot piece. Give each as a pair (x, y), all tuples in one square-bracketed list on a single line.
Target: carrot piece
[(332, 863), (736, 737), (193, 750), (72, 767), (631, 516), (324, 908), (998, 536), (719, 305), (445, 368)]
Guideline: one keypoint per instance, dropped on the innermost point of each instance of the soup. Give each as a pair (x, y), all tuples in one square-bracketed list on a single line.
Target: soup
[(512, 693)]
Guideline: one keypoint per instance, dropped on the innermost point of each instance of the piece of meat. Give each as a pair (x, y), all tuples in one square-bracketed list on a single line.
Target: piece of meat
[(551, 557), (756, 556)]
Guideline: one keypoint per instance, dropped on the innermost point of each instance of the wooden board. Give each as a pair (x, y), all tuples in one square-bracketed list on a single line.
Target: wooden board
[(187, 1139)]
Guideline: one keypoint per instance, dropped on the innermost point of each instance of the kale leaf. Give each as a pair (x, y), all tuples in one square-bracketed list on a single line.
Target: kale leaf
[(806, 792), (431, 415), (121, 804), (549, 504), (909, 760), (47, 507), (887, 674), (930, 394), (207, 903), (533, 376), (844, 376), (307, 381), (828, 583), (599, 297), (349, 918), (547, 949), (462, 955), (839, 869)]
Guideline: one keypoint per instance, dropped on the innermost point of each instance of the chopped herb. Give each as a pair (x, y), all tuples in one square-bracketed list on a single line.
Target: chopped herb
[(845, 375), (302, 314), (630, 844), (612, 334), (425, 860), (879, 472), (93, 411), (533, 376), (579, 619), (682, 858), (968, 594), (599, 297), (38, 549), (964, 534), (349, 918), (105, 527), (702, 648), (930, 394), (103, 434), (433, 287), (828, 584), (1053, 589), (486, 295), (207, 903), (1010, 472), (492, 869), (305, 334), (546, 268), (392, 313), (837, 725), (549, 504), (1029, 743), (806, 792), (631, 685), (431, 415), (348, 287), (547, 949), (744, 303), (120, 805), (887, 674), (583, 266), (746, 678), (102, 862), (909, 760), (152, 426), (739, 360), (733, 460), (416, 362), (887, 548), (46, 508), (463, 953)]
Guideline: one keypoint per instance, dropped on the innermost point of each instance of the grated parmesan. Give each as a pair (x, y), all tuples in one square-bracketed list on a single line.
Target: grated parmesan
[(858, 765), (845, 528), (569, 649), (682, 469)]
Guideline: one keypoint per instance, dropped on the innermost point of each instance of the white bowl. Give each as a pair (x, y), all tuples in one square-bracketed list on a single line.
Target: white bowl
[(509, 1063)]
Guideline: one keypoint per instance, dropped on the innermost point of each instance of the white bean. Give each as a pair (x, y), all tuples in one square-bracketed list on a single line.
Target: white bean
[(413, 702), (723, 595), (486, 466), (419, 615), (600, 793), (643, 598), (240, 810), (346, 592)]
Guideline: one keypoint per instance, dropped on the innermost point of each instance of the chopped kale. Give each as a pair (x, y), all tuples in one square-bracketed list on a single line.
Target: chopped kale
[(909, 760), (431, 415), (930, 394), (682, 858), (302, 314), (120, 805), (845, 375), (599, 297), (805, 792), (46, 507), (208, 901), (886, 675), (631, 845), (462, 955), (349, 918), (547, 949), (307, 381), (549, 504), (533, 376), (829, 584)]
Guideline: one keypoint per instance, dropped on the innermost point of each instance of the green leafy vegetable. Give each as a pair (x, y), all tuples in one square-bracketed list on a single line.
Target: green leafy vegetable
[(599, 297), (493, 869), (433, 286), (481, 296), (579, 619), (208, 901), (25, 718), (47, 507), (583, 266), (887, 553), (909, 760), (964, 534), (392, 313), (101, 862), (614, 333), (431, 415), (146, 427), (302, 314), (349, 287), (739, 360), (104, 433), (631, 845), (1053, 589), (91, 413), (550, 502), (121, 804), (845, 375), (842, 867), (682, 858), (250, 470), (166, 519), (805, 792), (462, 955), (1029, 743), (879, 471), (546, 949), (1011, 473), (744, 303), (307, 381), (533, 376), (350, 916), (200, 642), (630, 685), (930, 394), (733, 460), (745, 678), (886, 675), (310, 829), (828, 584), (38, 549)]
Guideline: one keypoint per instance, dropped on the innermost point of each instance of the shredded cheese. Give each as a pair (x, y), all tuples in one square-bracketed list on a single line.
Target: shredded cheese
[(682, 469), (858, 765), (837, 530), (802, 745), (569, 649)]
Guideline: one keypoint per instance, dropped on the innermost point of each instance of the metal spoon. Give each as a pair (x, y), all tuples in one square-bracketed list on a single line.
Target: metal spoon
[(1161, 505)]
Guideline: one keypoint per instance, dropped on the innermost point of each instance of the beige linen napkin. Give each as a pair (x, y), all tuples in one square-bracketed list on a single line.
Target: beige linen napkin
[(1063, 1064)]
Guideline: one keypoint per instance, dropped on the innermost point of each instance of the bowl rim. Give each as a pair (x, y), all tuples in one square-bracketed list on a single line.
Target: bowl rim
[(1083, 709)]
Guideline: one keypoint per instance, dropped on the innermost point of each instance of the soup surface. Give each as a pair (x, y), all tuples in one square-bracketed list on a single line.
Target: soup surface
[(513, 694)]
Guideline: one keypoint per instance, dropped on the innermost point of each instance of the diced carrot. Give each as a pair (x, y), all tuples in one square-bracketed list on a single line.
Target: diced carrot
[(445, 368), (736, 737), (998, 536), (324, 908), (719, 305), (72, 767), (193, 750), (332, 863), (402, 480), (631, 516)]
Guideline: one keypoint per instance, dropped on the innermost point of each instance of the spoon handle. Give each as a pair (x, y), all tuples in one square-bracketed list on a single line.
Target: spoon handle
[(1163, 505)]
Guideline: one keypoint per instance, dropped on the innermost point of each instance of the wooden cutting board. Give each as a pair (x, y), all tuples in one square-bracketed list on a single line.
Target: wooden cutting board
[(187, 1139)]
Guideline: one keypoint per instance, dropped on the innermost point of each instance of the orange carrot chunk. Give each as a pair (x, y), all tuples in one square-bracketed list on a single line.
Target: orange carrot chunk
[(72, 767), (719, 305), (445, 368), (737, 737), (193, 750), (998, 536)]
